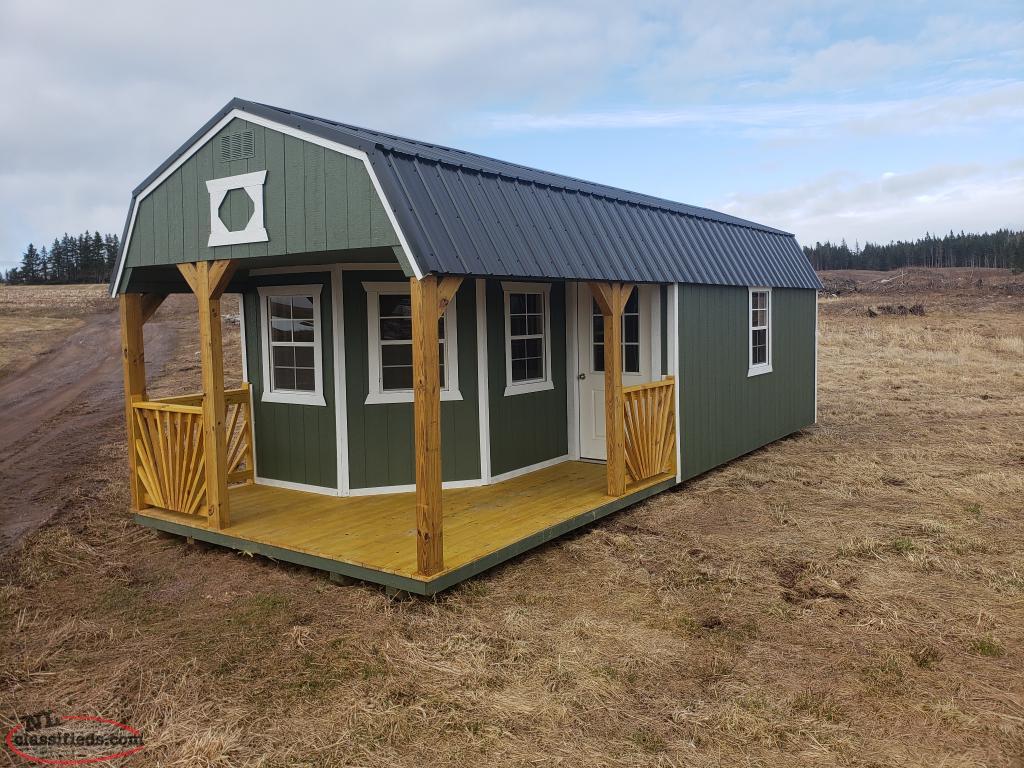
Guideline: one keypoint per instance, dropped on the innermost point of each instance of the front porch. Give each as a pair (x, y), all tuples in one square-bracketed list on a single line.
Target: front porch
[(374, 537)]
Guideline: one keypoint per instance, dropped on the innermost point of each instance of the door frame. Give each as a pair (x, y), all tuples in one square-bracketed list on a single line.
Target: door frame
[(573, 289)]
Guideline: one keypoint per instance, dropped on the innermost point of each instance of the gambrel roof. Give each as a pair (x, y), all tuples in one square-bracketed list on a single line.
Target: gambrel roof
[(460, 213)]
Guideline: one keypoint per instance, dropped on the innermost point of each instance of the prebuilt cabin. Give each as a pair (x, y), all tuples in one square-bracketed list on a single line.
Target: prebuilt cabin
[(447, 359)]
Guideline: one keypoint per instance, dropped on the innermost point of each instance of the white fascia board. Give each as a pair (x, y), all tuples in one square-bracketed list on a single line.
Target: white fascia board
[(288, 130)]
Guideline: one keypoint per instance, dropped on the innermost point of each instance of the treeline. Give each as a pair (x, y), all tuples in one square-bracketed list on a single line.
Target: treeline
[(1003, 248), (87, 258)]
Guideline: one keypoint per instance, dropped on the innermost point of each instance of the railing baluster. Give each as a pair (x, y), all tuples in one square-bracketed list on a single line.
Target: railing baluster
[(650, 428)]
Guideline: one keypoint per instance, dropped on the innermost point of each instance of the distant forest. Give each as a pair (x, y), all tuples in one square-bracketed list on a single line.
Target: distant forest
[(87, 258), (1003, 248)]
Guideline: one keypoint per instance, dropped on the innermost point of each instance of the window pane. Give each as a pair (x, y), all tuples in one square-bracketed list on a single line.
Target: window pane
[(440, 327), (518, 349), (631, 328), (302, 307), (396, 378), (533, 347), (305, 379), (302, 330), (533, 302), (598, 358), (631, 358), (534, 368), (280, 307), (284, 356), (280, 330), (517, 325), (396, 354), (633, 304), (441, 366), (396, 329), (516, 303), (303, 357), (395, 305), (534, 324), (284, 378), (519, 370)]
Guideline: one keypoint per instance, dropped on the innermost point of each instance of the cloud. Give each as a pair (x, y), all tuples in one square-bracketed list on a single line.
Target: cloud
[(940, 112), (894, 205)]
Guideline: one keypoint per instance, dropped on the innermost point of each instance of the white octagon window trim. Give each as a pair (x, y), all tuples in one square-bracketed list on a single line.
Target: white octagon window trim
[(255, 231), (295, 397), (545, 382), (376, 393)]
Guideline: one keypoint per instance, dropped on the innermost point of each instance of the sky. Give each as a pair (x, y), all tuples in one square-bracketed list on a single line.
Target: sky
[(856, 120)]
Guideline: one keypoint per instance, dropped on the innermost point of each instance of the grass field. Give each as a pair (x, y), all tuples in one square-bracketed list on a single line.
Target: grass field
[(34, 318), (852, 595)]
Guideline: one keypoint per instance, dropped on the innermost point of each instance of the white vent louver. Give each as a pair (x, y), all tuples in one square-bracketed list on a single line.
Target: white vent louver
[(237, 146)]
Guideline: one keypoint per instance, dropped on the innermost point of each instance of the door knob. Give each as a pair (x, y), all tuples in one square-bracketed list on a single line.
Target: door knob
[(582, 376)]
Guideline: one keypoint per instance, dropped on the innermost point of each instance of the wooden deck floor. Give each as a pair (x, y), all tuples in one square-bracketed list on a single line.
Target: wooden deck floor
[(374, 537)]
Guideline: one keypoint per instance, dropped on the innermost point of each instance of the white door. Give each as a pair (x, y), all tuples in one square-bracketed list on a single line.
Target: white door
[(636, 359)]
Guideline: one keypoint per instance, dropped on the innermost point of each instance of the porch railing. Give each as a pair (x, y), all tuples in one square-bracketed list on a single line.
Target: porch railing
[(171, 453), (649, 414)]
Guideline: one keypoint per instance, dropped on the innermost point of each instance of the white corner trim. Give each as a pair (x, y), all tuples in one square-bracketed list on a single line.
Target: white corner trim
[(375, 394), (674, 369), (654, 305), (482, 381), (288, 485), (539, 385), (340, 390), (281, 128), (530, 468), (316, 397), (572, 364)]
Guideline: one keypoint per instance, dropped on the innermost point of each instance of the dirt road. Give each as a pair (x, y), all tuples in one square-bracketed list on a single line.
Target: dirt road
[(53, 414)]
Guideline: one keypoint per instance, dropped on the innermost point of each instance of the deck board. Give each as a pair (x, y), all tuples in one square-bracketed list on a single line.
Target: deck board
[(379, 532)]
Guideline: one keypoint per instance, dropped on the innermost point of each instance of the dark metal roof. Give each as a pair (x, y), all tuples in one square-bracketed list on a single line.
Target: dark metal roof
[(467, 214)]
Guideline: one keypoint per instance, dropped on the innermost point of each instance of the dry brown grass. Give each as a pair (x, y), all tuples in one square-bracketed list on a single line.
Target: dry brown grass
[(853, 595), (33, 318)]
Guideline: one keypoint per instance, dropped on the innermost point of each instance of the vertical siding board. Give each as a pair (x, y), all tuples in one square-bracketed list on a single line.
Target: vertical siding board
[(190, 197), (359, 190), (204, 172), (160, 255), (144, 227), (381, 231), (295, 195), (336, 200), (316, 230), (275, 194), (258, 162), (175, 218)]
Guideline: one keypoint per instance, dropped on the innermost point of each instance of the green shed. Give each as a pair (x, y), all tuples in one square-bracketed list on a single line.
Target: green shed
[(448, 359)]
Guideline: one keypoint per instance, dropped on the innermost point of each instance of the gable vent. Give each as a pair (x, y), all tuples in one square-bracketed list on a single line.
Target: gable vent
[(237, 146)]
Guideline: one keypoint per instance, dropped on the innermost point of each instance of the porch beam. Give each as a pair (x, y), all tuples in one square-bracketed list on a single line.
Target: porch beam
[(208, 279), (427, 306), (611, 300)]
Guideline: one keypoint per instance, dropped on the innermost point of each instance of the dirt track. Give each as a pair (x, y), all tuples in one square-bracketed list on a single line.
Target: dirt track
[(55, 412)]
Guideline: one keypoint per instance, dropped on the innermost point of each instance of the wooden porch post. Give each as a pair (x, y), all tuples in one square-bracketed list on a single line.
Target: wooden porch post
[(611, 299), (135, 310), (429, 300), (208, 279)]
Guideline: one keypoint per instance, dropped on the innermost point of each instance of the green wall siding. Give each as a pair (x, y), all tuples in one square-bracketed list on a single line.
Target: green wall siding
[(527, 428), (724, 413), (295, 443), (314, 199), (381, 441)]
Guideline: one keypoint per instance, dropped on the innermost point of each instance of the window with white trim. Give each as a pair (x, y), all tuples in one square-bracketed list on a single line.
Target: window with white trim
[(527, 337), (389, 338), (291, 344), (760, 323)]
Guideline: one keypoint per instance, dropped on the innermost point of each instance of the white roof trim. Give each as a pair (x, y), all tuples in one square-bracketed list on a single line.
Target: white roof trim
[(288, 130)]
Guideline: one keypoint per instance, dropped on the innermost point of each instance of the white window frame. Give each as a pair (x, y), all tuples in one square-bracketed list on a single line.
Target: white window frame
[(270, 395), (539, 385), (765, 367), (378, 395)]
